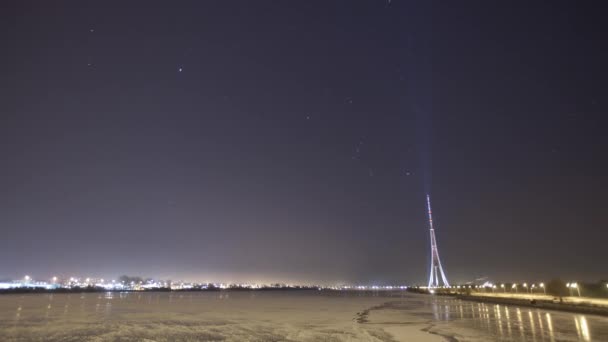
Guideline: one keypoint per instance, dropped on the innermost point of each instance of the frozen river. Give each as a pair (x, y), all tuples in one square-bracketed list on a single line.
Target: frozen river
[(282, 316)]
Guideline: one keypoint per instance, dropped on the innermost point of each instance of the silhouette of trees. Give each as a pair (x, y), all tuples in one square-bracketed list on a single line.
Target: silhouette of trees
[(557, 287)]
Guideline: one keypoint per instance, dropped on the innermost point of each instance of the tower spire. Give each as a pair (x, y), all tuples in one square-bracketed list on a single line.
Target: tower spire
[(436, 268)]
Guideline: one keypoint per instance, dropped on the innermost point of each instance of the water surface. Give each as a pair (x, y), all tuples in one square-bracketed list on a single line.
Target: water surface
[(282, 316)]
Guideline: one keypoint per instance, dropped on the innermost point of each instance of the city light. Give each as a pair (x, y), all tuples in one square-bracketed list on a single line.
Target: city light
[(542, 285), (135, 284), (571, 286)]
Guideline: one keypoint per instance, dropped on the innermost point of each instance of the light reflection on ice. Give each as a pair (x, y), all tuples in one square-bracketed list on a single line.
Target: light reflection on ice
[(232, 316), (550, 326), (583, 327)]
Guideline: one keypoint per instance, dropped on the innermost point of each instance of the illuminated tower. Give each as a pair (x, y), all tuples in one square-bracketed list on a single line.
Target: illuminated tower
[(436, 268)]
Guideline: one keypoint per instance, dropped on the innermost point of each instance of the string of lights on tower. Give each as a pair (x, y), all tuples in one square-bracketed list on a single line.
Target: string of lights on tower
[(436, 268)]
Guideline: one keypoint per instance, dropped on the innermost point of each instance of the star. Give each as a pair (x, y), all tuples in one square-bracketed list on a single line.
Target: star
[(180, 70)]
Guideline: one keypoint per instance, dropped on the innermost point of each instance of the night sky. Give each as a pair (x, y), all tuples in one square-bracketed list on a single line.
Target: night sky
[(296, 140)]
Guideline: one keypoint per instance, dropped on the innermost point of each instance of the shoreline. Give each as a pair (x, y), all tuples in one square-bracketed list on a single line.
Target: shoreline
[(164, 290), (540, 303)]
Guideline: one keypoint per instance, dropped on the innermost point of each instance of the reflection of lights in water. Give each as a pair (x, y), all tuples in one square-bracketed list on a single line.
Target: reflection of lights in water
[(508, 321), (486, 315), (578, 327), (18, 314), (435, 311), (521, 323), (48, 311), (585, 328), (461, 312), (540, 324), (498, 319), (532, 325), (549, 326)]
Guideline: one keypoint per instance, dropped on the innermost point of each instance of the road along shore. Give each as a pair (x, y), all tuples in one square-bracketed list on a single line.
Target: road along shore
[(542, 303)]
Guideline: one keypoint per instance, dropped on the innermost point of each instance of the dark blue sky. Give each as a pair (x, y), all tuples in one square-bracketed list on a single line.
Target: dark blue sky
[(241, 140)]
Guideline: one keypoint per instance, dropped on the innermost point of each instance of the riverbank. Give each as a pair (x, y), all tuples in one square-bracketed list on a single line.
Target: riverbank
[(582, 305)]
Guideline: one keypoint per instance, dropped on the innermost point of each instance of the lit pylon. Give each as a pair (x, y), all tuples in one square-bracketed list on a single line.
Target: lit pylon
[(436, 268)]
